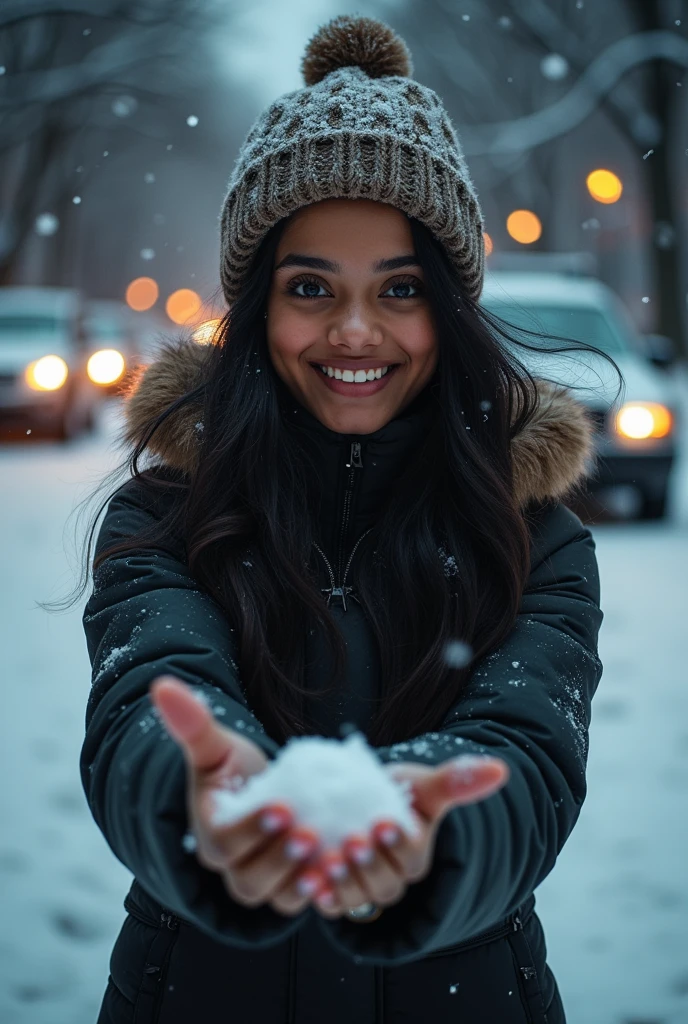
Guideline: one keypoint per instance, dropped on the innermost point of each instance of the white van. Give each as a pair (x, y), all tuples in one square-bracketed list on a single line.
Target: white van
[(636, 439), (44, 386)]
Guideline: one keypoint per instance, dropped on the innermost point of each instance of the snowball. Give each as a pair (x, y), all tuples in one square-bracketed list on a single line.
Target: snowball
[(334, 787)]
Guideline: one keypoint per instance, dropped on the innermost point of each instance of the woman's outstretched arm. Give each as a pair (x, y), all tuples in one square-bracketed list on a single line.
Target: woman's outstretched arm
[(145, 618), (528, 703)]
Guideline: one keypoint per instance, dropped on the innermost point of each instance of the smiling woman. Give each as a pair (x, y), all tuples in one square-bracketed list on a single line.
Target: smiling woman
[(355, 479), (327, 334)]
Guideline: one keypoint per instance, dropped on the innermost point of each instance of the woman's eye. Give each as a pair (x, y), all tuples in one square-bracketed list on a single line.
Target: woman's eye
[(310, 289), (315, 290), (401, 289)]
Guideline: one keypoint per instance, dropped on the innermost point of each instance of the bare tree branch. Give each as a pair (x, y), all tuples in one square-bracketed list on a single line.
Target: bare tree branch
[(582, 99)]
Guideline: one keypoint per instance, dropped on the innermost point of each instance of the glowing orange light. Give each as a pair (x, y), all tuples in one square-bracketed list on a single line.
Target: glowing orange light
[(106, 366), (524, 226), (604, 186), (183, 305), (46, 374), (488, 243), (639, 420), (142, 293)]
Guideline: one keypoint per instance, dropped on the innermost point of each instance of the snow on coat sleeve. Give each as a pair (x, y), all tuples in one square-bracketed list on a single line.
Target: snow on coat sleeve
[(146, 617), (528, 702)]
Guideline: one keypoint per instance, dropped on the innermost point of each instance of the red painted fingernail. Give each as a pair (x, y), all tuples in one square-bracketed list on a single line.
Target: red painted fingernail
[(388, 835), (298, 849), (337, 869), (308, 884), (273, 821), (362, 854), (326, 898)]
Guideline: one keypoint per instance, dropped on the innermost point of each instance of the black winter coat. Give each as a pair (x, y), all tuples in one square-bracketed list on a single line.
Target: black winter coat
[(463, 944)]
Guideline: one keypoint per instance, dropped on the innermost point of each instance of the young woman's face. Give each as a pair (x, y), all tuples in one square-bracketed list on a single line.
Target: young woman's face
[(346, 294)]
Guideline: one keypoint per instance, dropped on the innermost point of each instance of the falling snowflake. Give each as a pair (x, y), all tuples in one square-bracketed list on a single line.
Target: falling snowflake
[(46, 224), (457, 654), (148, 254), (124, 106), (189, 842), (149, 178), (554, 67), (192, 120), (76, 200)]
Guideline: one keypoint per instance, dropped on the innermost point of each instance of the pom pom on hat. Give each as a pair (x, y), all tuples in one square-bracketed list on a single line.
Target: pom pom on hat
[(364, 42)]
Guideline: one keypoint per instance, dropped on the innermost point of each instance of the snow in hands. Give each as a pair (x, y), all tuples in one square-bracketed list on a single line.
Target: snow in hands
[(334, 787)]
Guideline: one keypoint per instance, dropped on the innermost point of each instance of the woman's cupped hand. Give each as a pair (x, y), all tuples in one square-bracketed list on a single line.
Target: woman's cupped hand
[(267, 858)]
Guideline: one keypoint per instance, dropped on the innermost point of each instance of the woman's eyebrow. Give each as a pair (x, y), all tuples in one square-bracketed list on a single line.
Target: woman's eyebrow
[(296, 259)]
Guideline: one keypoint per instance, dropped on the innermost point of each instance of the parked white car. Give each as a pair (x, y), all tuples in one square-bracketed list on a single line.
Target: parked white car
[(44, 384), (636, 439)]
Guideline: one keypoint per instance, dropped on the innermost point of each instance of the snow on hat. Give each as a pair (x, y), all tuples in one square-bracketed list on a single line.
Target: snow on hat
[(360, 129)]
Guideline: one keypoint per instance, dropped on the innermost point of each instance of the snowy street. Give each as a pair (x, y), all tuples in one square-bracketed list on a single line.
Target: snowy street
[(614, 909)]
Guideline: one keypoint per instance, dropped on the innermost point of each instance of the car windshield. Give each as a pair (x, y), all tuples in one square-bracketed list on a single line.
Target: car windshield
[(570, 322), (17, 326), (106, 330)]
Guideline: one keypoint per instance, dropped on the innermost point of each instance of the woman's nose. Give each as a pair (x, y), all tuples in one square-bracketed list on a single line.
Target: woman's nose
[(356, 326)]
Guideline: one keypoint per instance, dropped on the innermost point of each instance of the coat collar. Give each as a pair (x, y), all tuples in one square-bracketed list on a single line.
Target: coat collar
[(551, 454)]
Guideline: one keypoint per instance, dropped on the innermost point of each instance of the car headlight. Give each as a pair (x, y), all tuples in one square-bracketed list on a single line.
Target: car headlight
[(105, 366), (641, 420), (46, 374)]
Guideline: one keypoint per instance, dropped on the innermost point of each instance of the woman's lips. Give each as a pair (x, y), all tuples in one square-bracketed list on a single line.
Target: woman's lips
[(350, 389)]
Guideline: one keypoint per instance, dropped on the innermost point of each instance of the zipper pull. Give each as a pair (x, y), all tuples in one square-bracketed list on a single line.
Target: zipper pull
[(169, 921), (355, 459), (517, 923)]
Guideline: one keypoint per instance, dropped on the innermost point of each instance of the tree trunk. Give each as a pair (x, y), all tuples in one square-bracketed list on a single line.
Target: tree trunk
[(666, 215)]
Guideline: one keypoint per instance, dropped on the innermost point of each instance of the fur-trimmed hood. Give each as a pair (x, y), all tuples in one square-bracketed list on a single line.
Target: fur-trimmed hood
[(552, 453)]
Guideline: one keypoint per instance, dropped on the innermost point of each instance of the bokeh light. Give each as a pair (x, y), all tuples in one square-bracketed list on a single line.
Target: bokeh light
[(488, 243), (639, 420), (46, 374), (142, 293), (604, 186), (105, 366), (524, 226), (183, 305)]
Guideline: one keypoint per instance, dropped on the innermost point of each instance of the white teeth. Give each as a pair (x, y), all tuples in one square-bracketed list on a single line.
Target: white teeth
[(358, 377)]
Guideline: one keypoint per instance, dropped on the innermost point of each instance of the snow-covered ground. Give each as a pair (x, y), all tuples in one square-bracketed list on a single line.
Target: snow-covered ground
[(615, 908)]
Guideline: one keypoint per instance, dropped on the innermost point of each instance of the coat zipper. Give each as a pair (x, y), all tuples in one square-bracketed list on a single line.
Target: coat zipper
[(342, 590), (334, 590), (514, 924), (355, 462), (166, 919)]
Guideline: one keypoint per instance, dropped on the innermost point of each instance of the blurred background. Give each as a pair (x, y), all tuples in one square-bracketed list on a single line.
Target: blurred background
[(119, 125)]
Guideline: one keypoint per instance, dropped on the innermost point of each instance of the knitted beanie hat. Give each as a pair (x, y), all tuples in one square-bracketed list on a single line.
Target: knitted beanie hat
[(360, 129)]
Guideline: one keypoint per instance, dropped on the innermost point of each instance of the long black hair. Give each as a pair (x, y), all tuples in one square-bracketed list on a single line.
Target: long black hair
[(455, 496)]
